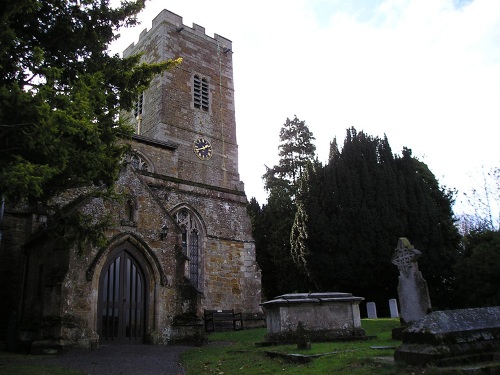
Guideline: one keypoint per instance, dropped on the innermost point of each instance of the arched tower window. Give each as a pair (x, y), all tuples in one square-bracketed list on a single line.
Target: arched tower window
[(138, 111), (191, 245), (200, 93), (138, 105)]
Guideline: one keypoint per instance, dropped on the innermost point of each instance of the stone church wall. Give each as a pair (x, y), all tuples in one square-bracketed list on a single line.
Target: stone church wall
[(56, 276)]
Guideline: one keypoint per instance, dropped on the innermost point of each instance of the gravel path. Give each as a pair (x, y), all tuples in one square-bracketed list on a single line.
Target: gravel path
[(123, 359)]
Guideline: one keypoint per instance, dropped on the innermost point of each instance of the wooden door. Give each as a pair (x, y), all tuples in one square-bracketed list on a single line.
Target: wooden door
[(122, 302)]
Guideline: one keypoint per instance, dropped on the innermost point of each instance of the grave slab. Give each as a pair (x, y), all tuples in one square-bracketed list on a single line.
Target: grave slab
[(452, 337)]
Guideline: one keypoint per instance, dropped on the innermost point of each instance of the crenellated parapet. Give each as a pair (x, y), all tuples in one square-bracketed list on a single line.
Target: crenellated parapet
[(165, 16)]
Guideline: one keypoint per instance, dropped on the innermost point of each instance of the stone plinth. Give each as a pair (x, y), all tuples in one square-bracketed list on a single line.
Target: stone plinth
[(444, 337), (325, 316)]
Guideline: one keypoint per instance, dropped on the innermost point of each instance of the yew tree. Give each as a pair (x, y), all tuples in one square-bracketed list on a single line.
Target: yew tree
[(478, 269), (61, 93), (351, 212)]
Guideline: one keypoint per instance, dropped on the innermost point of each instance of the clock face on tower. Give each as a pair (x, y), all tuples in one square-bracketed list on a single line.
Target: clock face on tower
[(202, 148)]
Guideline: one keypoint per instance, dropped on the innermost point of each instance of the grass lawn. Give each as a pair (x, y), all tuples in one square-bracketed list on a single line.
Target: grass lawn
[(236, 353)]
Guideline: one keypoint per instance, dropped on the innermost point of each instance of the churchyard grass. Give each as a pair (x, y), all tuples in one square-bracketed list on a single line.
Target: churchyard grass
[(237, 353)]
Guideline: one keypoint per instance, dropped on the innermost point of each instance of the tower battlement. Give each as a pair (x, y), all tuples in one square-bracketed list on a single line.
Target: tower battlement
[(166, 16)]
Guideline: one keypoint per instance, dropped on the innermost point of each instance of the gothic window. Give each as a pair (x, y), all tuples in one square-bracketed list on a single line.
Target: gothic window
[(193, 256), (191, 246), (138, 162), (200, 92)]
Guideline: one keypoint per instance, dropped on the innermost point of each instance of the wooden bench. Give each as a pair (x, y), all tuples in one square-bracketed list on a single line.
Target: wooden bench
[(213, 316)]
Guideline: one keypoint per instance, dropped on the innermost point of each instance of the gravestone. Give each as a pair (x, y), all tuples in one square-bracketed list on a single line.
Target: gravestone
[(452, 337), (371, 310), (412, 288), (393, 307)]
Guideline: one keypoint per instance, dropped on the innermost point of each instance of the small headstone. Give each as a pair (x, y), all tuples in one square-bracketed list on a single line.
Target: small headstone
[(303, 341), (372, 310), (393, 307), (452, 337), (412, 288)]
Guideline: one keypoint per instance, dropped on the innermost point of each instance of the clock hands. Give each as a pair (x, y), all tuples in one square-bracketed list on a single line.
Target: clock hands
[(202, 148)]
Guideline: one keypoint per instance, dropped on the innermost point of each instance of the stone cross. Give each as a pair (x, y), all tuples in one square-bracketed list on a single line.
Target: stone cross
[(412, 288), (405, 256)]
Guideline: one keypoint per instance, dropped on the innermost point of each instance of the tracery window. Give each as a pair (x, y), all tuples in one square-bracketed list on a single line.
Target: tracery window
[(139, 163), (200, 93), (191, 246)]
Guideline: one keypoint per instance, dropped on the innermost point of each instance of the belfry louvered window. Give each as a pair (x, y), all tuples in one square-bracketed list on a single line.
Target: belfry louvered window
[(200, 93), (138, 105)]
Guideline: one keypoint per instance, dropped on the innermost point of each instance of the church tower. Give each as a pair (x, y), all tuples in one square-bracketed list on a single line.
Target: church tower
[(192, 105), (177, 237), (187, 150)]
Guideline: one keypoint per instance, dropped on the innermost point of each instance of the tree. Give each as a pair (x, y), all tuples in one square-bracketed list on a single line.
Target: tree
[(274, 222), (296, 150), (352, 211), (61, 93), (483, 204), (478, 270)]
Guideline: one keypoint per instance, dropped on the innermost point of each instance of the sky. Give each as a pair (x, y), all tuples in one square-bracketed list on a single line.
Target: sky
[(424, 73)]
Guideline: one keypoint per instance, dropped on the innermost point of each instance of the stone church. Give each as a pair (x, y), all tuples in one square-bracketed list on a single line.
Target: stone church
[(179, 239)]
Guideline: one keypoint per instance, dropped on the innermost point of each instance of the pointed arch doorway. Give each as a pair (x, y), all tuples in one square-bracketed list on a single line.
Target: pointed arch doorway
[(122, 302)]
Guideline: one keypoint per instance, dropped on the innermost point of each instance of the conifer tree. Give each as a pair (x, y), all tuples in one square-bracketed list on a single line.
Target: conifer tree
[(61, 93), (353, 210), (296, 150), (478, 269)]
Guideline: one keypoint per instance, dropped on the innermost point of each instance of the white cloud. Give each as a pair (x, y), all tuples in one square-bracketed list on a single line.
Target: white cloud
[(424, 72)]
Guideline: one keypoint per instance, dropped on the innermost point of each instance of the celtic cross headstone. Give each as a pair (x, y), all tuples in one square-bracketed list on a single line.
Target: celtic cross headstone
[(413, 293)]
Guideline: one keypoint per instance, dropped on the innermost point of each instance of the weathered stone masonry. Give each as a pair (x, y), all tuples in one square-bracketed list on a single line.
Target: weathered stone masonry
[(179, 238)]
